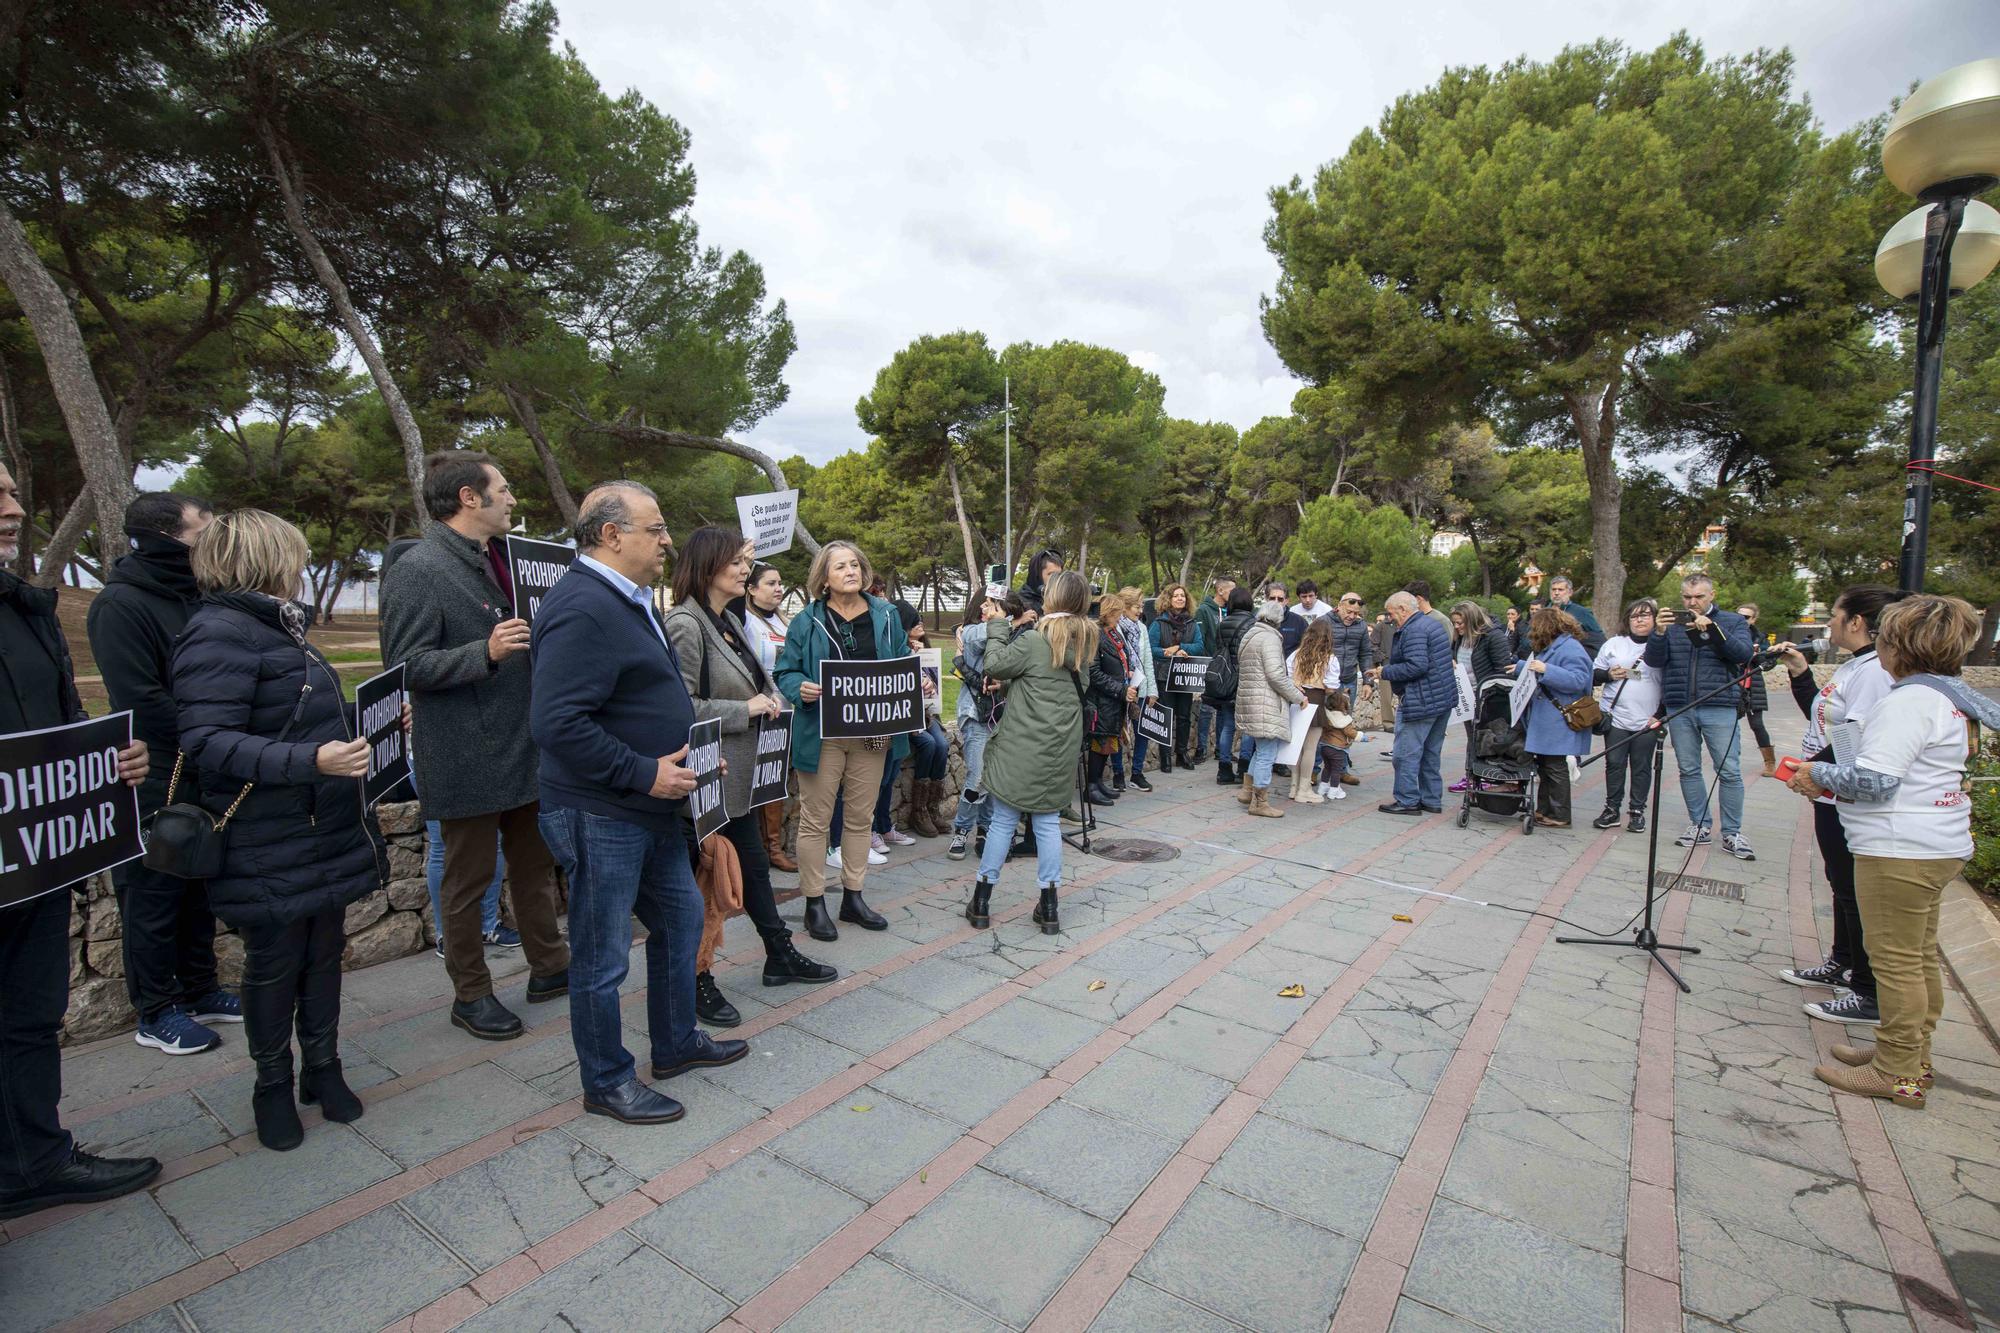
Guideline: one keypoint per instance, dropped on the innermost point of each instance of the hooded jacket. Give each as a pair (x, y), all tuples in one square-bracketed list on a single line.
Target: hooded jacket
[(1035, 586), (133, 624), (1263, 686)]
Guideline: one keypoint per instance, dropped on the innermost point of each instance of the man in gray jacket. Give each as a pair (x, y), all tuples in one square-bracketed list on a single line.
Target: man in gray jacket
[(446, 616)]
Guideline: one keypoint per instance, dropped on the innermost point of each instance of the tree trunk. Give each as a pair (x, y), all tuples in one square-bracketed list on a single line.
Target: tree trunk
[(1187, 565), (964, 523), (1153, 558), (551, 470), (24, 479), (350, 319), (1485, 574), (1982, 651), (62, 543), (70, 376), (1595, 413), (1083, 553)]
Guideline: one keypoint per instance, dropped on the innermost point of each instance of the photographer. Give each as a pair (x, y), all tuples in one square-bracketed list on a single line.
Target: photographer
[(1031, 762), (979, 704), (1699, 656)]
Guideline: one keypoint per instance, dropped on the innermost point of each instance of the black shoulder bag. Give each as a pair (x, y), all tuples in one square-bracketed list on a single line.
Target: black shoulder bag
[(182, 838)]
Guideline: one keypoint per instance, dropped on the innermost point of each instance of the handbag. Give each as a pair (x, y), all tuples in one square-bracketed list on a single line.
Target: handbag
[(1582, 715), (182, 838)]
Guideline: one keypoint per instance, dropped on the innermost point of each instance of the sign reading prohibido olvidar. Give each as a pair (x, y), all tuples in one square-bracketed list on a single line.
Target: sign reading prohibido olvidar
[(534, 567), (64, 814), (1156, 723), (704, 756), (378, 714), (774, 758), (866, 700), (1186, 675)]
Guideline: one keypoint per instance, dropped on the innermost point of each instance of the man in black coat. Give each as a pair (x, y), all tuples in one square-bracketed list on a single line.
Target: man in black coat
[(447, 617), (169, 930), (40, 1165)]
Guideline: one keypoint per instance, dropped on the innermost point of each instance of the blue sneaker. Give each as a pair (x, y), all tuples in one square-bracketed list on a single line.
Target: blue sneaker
[(218, 1006), (504, 937), (176, 1034)]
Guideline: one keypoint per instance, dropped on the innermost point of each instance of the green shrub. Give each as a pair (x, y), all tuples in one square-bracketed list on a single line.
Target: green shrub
[(1983, 870)]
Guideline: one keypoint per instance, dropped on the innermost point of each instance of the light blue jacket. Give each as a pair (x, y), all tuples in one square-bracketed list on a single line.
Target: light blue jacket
[(1568, 679)]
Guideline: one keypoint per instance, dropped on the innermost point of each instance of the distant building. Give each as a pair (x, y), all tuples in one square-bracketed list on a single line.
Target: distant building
[(1444, 542)]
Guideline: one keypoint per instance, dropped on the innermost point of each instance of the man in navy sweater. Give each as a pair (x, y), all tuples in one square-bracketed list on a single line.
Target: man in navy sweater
[(611, 714), (1421, 672)]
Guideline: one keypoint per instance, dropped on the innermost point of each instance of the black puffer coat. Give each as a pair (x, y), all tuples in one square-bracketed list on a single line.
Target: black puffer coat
[(299, 844), (1106, 690)]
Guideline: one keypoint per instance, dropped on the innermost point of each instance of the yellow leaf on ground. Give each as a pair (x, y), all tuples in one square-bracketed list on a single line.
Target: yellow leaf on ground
[(1400, 917), (861, 1107), (1293, 992), (1095, 985)]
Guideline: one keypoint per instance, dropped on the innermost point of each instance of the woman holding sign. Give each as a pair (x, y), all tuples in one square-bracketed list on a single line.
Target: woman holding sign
[(729, 683), (758, 609), (1176, 633), (840, 623), (261, 718), (1031, 760)]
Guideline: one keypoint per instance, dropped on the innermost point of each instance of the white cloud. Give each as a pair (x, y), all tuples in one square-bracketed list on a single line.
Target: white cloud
[(1099, 172)]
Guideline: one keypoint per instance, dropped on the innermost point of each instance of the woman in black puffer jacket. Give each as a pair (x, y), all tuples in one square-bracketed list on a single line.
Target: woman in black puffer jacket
[(259, 706)]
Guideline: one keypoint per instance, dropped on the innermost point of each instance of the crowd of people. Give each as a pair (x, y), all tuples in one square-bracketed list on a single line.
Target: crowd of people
[(563, 745)]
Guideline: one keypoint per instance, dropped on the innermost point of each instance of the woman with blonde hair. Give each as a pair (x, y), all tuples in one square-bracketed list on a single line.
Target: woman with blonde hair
[(1315, 670), (1031, 760), (1139, 660), (263, 724), (1908, 822), (1111, 690), (841, 621)]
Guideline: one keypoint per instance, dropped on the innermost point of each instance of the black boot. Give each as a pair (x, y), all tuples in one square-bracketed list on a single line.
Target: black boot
[(1118, 782), (711, 1006), (1166, 762), (783, 964), (1045, 911), (325, 1086), (277, 1115), (818, 924), (855, 909), (1102, 795), (1225, 773), (980, 910)]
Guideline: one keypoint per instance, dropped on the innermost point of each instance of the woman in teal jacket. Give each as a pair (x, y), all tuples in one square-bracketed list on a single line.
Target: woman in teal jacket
[(840, 621)]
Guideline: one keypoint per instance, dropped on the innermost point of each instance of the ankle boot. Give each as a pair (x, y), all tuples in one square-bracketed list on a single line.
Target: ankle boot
[(1045, 911), (819, 925), (326, 1086), (1225, 773), (1243, 793), (932, 799), (855, 908), (1770, 761), (1260, 804), (277, 1115), (979, 912)]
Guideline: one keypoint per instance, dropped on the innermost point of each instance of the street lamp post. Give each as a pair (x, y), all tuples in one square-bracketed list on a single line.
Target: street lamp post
[(1943, 146)]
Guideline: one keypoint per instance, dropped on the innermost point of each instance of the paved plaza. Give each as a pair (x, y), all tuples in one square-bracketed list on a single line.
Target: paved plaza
[(1460, 1123)]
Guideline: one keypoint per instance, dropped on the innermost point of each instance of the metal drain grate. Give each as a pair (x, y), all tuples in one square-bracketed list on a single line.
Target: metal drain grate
[(1141, 850), (1707, 888)]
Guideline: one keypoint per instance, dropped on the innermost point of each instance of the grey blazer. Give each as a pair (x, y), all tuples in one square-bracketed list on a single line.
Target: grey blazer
[(469, 736), (730, 688)]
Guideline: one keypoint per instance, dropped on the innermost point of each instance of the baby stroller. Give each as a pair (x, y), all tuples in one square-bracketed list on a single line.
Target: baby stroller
[(1503, 777)]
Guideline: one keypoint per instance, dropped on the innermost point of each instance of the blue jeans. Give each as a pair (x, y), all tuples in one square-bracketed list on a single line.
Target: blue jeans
[(1715, 728), (1204, 718), (617, 870), (1418, 755), (972, 738), (1000, 837), (1225, 733), (1263, 754), (489, 906), (929, 749)]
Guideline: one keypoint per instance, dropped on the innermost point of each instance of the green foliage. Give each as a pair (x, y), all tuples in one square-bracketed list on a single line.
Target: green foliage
[(1983, 870), (1371, 549)]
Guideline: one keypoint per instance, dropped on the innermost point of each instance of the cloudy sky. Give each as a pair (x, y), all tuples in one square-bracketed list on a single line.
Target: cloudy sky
[(1098, 171)]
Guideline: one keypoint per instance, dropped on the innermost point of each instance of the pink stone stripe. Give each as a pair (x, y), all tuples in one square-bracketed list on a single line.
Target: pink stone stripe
[(1086, 1292), (1913, 1252), (1369, 1301), (167, 1290)]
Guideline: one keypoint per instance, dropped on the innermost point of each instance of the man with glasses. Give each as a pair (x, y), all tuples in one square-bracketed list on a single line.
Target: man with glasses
[(1699, 656)]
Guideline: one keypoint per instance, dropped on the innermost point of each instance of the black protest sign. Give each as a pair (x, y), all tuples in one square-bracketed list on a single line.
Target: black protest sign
[(378, 719), (1186, 675), (774, 758), (704, 756), (864, 700), (1156, 723), (534, 568), (64, 814)]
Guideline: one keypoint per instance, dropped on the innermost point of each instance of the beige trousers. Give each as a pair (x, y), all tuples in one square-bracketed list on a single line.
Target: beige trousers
[(1899, 903), (844, 766)]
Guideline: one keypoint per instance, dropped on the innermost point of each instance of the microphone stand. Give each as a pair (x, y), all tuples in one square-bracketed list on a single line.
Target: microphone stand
[(1645, 937)]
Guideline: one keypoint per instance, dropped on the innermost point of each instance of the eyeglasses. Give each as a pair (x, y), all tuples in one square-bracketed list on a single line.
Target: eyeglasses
[(653, 530)]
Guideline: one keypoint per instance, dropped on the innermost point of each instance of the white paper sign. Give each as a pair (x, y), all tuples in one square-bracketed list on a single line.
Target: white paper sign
[(1467, 696), (768, 520), (1295, 743), (1525, 683)]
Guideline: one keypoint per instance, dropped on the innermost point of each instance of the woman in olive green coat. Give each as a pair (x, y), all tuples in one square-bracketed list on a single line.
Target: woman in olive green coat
[(1031, 762)]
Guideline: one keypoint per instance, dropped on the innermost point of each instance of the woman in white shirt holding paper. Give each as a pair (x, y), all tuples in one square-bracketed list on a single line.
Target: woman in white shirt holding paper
[(1857, 686), (1632, 698), (1909, 823)]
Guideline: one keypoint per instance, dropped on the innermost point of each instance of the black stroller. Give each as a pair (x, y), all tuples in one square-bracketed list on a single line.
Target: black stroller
[(1503, 777)]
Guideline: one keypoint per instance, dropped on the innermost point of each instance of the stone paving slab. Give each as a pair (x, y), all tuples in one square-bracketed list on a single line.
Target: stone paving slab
[(1460, 1124)]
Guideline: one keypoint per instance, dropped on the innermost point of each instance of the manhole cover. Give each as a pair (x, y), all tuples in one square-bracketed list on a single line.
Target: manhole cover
[(1133, 849), (1707, 888)]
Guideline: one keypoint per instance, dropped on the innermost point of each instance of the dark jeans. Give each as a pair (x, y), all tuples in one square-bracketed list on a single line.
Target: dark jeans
[(1552, 792), (617, 870), (760, 902), (929, 750), (1182, 706), (1633, 754), (469, 858), (1332, 763), (1758, 730), (169, 939), (1848, 949), (34, 992), (291, 975)]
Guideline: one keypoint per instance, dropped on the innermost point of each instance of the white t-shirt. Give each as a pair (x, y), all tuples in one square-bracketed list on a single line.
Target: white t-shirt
[(1858, 685), (1313, 612), (1917, 735), (766, 636), (1634, 700)]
